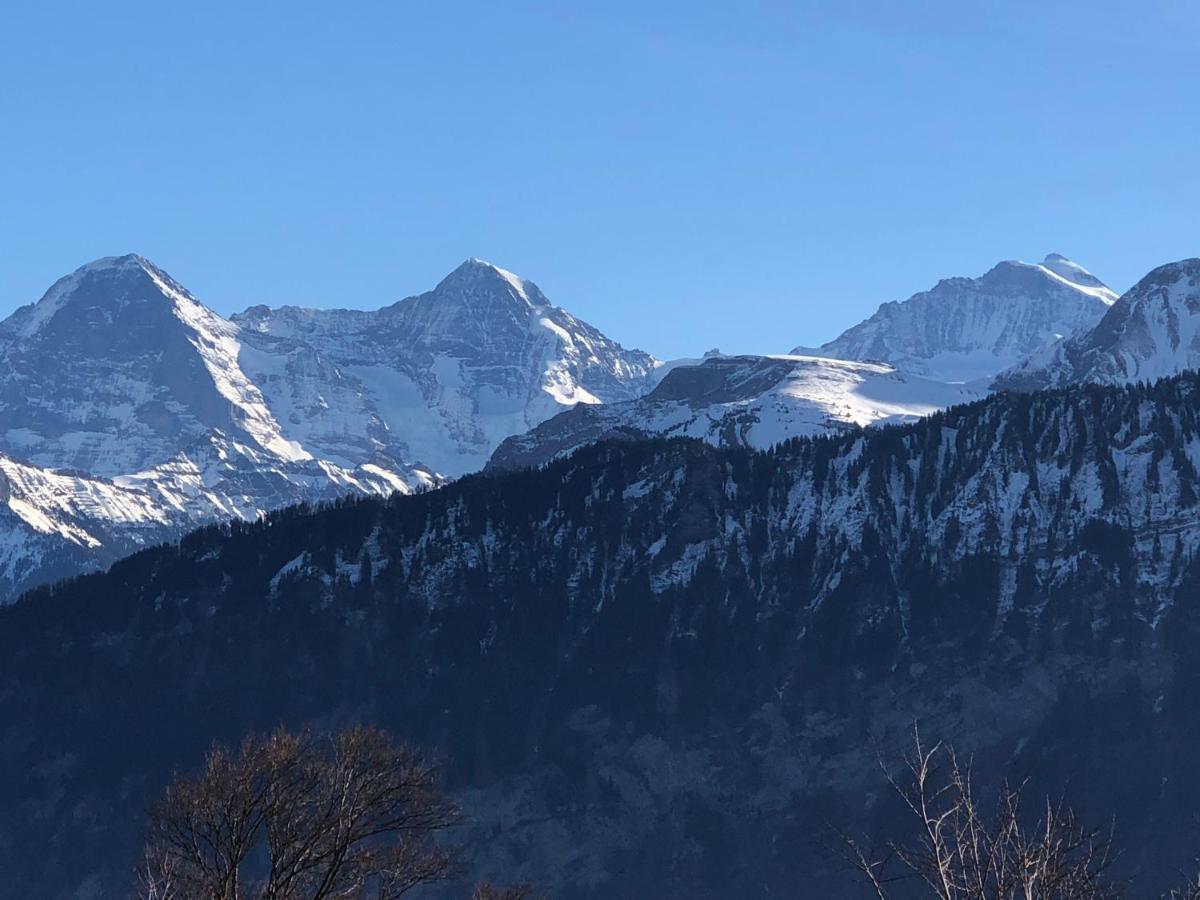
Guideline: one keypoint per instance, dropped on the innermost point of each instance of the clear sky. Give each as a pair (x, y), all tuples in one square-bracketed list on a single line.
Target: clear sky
[(748, 175)]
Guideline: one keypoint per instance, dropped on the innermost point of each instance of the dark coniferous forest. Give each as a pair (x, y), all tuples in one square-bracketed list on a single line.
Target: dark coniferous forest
[(659, 667)]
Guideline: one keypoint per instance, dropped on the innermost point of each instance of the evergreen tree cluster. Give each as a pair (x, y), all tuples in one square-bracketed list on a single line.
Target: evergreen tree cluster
[(661, 587)]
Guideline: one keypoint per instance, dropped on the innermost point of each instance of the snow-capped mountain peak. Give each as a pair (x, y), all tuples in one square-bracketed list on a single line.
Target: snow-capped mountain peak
[(439, 378), (109, 282), (1151, 332), (117, 367), (476, 270), (1075, 275), (119, 383), (967, 329), (478, 285)]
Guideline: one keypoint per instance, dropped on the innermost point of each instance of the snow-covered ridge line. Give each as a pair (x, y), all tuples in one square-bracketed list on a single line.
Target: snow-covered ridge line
[(970, 329), (55, 523), (1152, 331), (752, 401), (137, 412), (440, 378), (120, 374)]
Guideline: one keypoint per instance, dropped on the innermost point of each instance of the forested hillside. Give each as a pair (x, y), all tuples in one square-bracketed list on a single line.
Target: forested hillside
[(655, 666)]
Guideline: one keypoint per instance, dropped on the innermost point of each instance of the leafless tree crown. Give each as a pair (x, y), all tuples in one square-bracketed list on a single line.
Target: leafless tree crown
[(961, 852), (290, 817), (485, 890)]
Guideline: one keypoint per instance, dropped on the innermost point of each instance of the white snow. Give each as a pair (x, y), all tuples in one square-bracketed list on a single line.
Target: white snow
[(970, 329), (1152, 332), (215, 339), (758, 401)]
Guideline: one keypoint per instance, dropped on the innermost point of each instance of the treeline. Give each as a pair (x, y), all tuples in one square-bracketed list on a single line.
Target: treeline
[(642, 609)]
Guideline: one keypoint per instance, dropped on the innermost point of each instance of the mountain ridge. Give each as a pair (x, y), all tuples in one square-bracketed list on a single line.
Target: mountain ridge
[(753, 401), (484, 355), (119, 380), (650, 653), (966, 329), (1152, 331), (119, 373)]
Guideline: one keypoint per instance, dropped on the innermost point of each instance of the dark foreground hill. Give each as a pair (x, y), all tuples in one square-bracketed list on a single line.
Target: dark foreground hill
[(657, 668)]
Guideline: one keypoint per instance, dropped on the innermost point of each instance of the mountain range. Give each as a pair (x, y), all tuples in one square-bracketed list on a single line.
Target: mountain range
[(968, 329), (662, 638), (130, 412), (1152, 332), (752, 401), (660, 668), (438, 379)]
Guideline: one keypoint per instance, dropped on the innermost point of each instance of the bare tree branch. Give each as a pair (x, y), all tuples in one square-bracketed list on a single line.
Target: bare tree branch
[(960, 853), (288, 817)]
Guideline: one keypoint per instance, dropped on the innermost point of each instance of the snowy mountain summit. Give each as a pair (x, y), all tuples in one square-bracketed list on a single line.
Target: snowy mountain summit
[(440, 378), (1152, 332), (965, 329), (129, 411), (749, 401), (118, 367)]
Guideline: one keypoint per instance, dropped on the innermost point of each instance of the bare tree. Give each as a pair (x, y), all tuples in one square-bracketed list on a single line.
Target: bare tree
[(485, 890), (289, 817), (959, 852), (1189, 891)]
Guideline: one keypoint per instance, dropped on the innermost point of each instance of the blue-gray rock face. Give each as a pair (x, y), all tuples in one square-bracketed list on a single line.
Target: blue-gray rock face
[(659, 668), (439, 379), (130, 412), (970, 329), (1152, 331)]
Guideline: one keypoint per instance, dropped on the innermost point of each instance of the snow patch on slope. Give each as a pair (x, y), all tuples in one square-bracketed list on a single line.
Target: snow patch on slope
[(1151, 332), (216, 340), (754, 401), (970, 329)]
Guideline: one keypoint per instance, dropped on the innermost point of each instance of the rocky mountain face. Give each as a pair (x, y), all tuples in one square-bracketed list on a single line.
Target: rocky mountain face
[(118, 368), (658, 668), (119, 380), (1152, 332), (933, 350), (56, 524), (751, 401), (441, 378), (967, 329), (131, 412)]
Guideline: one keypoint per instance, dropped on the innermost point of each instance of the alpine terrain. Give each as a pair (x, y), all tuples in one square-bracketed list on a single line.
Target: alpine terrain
[(967, 329), (1153, 331), (120, 385), (130, 412), (933, 350), (439, 379), (752, 401), (661, 668)]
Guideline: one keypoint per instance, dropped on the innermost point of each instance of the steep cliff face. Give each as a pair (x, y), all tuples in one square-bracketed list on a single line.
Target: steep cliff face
[(1152, 332), (119, 384), (747, 401), (656, 668), (118, 368), (440, 378), (967, 329)]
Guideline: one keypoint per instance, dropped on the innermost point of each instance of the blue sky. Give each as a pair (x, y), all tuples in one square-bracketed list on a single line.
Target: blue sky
[(684, 175)]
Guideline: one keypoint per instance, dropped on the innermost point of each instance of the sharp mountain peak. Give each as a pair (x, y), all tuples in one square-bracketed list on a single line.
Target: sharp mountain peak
[(475, 275)]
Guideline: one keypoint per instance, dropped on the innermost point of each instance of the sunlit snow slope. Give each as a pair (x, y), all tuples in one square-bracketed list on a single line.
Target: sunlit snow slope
[(967, 329), (1152, 332), (754, 401), (129, 411)]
